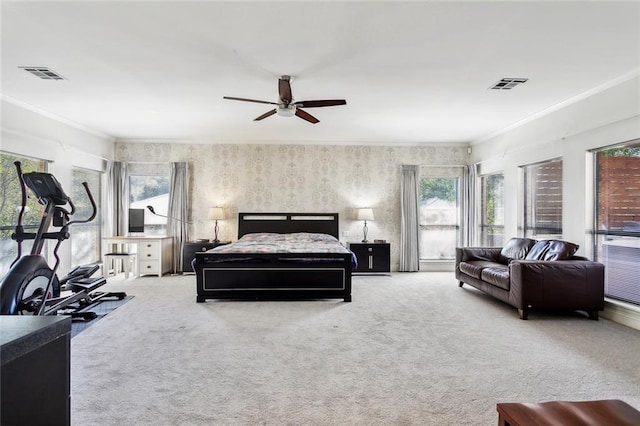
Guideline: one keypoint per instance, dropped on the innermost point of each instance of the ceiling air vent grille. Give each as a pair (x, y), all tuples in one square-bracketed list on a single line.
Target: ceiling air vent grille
[(43, 73), (508, 83)]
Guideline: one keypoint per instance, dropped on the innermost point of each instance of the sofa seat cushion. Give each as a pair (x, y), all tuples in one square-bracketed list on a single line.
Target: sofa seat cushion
[(474, 268), (497, 275)]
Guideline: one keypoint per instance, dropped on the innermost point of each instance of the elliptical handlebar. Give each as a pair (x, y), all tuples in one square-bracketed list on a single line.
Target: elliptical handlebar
[(23, 190), (93, 206)]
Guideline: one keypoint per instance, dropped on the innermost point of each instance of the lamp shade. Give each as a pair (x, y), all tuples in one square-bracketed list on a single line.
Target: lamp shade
[(216, 213), (364, 214)]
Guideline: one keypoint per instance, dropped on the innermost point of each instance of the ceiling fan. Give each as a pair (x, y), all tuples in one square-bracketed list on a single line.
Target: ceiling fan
[(286, 107)]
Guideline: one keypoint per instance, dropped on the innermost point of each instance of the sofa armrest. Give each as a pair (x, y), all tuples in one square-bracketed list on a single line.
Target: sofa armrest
[(560, 284), (465, 254)]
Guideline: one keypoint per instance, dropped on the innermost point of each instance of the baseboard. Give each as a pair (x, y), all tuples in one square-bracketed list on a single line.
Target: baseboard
[(437, 266), (623, 313)]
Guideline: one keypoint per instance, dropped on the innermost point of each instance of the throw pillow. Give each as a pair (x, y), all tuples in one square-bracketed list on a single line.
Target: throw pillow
[(560, 250), (552, 250), (538, 250), (517, 248)]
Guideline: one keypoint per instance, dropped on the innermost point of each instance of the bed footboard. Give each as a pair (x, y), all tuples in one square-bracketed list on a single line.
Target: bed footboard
[(273, 276)]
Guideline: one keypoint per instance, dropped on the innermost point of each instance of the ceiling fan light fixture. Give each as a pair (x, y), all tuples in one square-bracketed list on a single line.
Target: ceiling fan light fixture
[(287, 110)]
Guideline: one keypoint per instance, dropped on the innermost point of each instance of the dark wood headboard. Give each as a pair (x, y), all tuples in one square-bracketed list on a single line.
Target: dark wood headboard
[(283, 223)]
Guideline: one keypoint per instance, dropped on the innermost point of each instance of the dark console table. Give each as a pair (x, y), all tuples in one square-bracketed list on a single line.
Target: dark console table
[(34, 373)]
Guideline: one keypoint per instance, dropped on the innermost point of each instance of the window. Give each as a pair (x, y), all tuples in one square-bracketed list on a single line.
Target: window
[(10, 202), (617, 215), (439, 210), (542, 200), (149, 186), (492, 210), (86, 237)]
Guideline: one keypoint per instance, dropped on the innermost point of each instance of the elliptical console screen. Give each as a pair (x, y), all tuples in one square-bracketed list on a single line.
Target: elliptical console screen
[(46, 186)]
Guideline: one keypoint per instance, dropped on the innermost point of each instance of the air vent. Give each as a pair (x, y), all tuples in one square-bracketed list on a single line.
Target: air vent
[(43, 73), (508, 83)]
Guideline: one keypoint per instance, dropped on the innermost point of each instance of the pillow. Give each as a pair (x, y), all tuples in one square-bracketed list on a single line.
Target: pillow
[(538, 250), (552, 250), (560, 250), (517, 248)]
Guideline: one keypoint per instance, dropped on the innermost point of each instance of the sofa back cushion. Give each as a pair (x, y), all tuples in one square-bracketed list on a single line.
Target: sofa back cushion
[(552, 250), (517, 248)]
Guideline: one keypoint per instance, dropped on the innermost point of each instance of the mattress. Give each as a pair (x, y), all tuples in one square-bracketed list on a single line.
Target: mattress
[(296, 243)]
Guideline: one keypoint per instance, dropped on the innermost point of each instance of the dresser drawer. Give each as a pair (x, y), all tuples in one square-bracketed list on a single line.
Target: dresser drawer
[(148, 267), (149, 250)]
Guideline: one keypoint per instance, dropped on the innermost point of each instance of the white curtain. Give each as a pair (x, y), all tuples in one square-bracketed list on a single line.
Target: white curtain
[(409, 227), (469, 210), (177, 223), (117, 199)]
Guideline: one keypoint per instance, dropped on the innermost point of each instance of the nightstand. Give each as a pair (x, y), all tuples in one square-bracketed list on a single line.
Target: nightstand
[(189, 252), (372, 257)]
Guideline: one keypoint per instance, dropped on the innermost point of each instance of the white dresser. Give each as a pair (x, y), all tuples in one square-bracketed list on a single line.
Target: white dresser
[(153, 254)]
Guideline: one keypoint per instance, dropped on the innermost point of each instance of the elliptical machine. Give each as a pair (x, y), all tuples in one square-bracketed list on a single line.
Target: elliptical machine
[(31, 287)]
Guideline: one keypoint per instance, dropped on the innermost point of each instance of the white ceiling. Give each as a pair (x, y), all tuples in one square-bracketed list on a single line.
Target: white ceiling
[(411, 72)]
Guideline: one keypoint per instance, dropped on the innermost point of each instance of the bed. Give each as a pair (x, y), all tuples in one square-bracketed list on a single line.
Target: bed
[(293, 258)]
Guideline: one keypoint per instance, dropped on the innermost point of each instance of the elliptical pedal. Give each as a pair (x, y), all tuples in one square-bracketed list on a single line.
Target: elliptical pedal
[(86, 284)]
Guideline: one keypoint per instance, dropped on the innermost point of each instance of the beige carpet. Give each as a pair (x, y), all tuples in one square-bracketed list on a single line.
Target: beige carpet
[(411, 349)]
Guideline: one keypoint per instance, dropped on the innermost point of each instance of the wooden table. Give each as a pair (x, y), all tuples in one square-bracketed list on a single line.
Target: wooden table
[(609, 412)]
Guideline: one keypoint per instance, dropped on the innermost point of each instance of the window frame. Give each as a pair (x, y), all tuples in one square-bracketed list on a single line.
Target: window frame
[(81, 200), (444, 172), (483, 226), (529, 200), (620, 258), (35, 211), (154, 224)]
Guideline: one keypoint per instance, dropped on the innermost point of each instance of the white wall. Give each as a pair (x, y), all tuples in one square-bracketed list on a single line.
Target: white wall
[(31, 133), (605, 118)]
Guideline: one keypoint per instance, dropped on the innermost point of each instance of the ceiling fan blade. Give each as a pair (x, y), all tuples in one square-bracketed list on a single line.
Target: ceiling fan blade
[(284, 89), (306, 116), (323, 103), (248, 100), (265, 115)]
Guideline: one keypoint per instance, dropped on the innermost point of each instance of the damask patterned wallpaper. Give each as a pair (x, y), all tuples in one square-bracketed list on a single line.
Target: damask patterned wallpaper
[(296, 178)]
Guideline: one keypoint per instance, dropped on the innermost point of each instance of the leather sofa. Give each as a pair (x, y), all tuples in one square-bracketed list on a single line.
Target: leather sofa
[(529, 274)]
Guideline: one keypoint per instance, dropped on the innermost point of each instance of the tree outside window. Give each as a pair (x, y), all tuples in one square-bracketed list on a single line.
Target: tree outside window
[(439, 217), (10, 202)]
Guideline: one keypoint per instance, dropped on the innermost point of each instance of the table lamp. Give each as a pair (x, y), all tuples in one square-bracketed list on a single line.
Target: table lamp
[(364, 214), (216, 213)]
